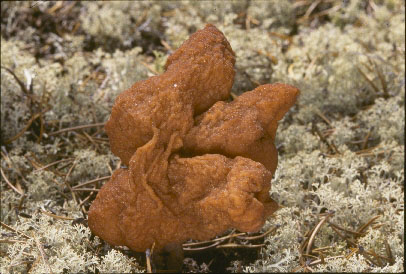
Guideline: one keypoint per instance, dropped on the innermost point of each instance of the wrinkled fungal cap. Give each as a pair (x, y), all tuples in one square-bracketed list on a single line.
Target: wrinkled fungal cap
[(197, 165)]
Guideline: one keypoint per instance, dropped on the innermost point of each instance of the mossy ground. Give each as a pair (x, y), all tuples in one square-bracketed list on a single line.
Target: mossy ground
[(341, 147)]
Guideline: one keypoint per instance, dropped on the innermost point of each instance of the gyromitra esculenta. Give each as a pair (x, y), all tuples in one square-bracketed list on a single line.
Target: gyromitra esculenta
[(197, 165)]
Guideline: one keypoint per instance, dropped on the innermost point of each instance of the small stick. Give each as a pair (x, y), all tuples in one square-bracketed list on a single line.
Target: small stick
[(149, 67), (365, 142), (97, 132), (87, 198), (350, 242), (305, 241), (63, 166), (82, 207), (110, 169), (56, 216), (202, 248), (148, 255), (383, 82), (368, 80), (326, 259), (66, 181), (377, 226), (353, 251), (378, 257), (367, 149), (270, 57), (306, 16), (10, 184), (346, 230), (322, 116), (89, 138), (259, 236), (7, 241), (14, 230), (371, 153), (166, 45), (20, 83), (86, 189), (332, 147), (325, 12), (366, 255), (41, 251), (322, 248), (363, 227), (54, 163), (312, 237), (232, 245), (20, 204), (75, 128), (217, 239), (18, 135), (389, 252), (91, 182), (311, 256)]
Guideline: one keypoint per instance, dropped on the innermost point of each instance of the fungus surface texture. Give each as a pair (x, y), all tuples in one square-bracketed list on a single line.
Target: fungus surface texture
[(197, 164)]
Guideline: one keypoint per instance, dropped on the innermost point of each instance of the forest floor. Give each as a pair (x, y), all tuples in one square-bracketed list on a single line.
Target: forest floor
[(340, 176)]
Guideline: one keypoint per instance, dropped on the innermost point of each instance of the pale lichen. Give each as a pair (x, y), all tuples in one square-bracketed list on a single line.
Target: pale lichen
[(341, 148)]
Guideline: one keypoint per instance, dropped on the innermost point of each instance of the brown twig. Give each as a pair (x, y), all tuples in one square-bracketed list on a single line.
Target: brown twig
[(86, 199), (75, 128), (20, 204), (317, 228), (9, 241), (322, 116), (14, 230), (249, 238), (357, 234), (42, 253), (19, 82), (56, 216), (86, 189), (383, 81), (325, 259), (149, 67), (53, 163), (375, 88), (231, 235), (148, 258), (91, 182), (363, 227), (202, 248), (18, 135), (90, 139), (325, 12), (324, 140), (233, 245), (365, 141), (389, 253), (68, 185), (10, 184), (166, 45)]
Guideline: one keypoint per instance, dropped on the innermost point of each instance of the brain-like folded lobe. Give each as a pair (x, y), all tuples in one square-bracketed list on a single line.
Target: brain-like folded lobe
[(198, 74), (213, 193), (245, 126), (197, 165)]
